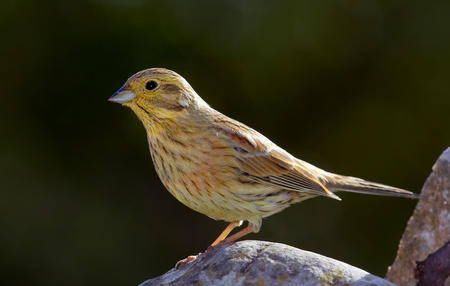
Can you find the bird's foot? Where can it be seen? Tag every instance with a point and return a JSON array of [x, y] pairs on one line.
[[188, 259], [191, 258]]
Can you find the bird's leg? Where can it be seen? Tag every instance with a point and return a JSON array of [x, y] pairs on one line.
[[237, 235], [225, 232], [219, 239]]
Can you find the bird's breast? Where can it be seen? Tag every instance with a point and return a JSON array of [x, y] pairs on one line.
[[198, 170]]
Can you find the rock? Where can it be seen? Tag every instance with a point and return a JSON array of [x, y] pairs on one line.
[[429, 227], [262, 264]]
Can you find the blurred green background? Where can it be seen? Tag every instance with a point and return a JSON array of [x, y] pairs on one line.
[[356, 87]]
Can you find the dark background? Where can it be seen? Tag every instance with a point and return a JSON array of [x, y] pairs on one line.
[[356, 87]]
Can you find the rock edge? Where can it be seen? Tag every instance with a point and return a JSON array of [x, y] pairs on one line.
[[265, 263]]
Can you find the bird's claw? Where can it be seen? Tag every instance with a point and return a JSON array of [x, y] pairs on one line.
[[188, 259], [191, 258]]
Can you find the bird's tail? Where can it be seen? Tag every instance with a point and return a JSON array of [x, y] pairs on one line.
[[351, 184]]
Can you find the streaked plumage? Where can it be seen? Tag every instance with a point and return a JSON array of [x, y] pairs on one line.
[[219, 166]]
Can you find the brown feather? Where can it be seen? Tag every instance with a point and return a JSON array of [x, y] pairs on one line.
[[264, 162]]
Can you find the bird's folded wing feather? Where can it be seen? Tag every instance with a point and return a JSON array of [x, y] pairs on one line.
[[263, 161]]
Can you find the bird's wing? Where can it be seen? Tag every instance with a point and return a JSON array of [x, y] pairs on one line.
[[263, 161]]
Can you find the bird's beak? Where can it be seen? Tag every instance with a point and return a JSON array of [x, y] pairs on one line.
[[122, 95]]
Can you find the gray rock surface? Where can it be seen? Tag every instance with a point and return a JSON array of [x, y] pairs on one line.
[[265, 263], [428, 228]]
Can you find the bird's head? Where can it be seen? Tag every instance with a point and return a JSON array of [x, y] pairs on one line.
[[157, 94]]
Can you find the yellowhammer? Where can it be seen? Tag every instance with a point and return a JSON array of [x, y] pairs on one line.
[[219, 166]]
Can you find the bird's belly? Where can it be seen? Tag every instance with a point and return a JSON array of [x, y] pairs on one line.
[[228, 200], [212, 185]]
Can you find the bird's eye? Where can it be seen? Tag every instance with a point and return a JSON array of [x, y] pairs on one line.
[[151, 85]]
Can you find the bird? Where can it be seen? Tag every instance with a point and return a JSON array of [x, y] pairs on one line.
[[219, 166]]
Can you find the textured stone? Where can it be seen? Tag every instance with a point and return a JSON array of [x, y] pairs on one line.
[[429, 227], [265, 263]]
